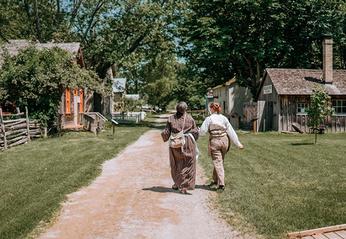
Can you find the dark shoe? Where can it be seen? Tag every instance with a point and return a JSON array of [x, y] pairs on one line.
[[221, 188], [175, 187]]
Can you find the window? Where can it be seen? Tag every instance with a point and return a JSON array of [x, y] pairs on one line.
[[301, 108], [339, 106]]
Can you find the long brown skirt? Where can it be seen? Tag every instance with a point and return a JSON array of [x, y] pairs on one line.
[[183, 165]]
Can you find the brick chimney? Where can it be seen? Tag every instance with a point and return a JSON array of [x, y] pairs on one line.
[[328, 59]]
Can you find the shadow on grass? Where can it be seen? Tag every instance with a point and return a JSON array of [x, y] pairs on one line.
[[302, 143]]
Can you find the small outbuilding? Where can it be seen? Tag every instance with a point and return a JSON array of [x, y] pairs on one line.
[[284, 95], [232, 98]]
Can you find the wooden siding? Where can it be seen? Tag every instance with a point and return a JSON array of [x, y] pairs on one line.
[[289, 116], [288, 113], [268, 108]]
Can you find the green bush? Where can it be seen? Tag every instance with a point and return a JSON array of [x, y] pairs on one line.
[[37, 79]]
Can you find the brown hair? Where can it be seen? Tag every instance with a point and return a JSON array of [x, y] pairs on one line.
[[215, 107]]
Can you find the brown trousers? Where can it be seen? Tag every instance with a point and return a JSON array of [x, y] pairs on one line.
[[218, 149]]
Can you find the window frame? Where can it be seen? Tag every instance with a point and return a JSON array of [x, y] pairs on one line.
[[341, 106], [298, 107]]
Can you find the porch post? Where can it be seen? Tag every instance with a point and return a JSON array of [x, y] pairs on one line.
[[75, 110]]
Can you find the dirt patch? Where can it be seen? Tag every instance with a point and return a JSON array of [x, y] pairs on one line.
[[132, 198]]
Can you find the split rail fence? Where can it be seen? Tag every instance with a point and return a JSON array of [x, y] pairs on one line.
[[16, 129]]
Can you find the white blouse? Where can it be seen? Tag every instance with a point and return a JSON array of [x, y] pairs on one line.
[[221, 120]]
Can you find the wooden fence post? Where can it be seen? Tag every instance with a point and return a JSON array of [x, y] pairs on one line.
[[27, 122], [45, 132], [3, 128]]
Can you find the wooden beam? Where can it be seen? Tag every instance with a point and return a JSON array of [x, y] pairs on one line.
[[14, 122], [13, 115], [341, 233], [22, 141], [332, 235], [3, 128], [27, 122], [316, 231]]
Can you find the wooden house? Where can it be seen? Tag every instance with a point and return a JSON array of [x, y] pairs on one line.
[[285, 94], [232, 98], [74, 102]]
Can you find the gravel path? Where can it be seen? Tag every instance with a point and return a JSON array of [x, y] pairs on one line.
[[132, 198]]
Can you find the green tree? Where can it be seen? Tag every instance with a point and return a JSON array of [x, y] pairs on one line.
[[128, 34], [319, 109], [222, 39], [158, 80], [33, 19], [37, 79], [136, 37], [132, 34], [190, 88]]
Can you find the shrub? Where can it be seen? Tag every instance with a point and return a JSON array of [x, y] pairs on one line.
[[37, 79]]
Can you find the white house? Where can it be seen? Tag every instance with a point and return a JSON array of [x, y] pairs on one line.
[[232, 98]]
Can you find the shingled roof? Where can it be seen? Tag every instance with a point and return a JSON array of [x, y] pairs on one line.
[[303, 81], [14, 46], [227, 83]]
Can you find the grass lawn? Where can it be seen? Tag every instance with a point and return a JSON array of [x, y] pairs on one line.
[[34, 178], [281, 183]]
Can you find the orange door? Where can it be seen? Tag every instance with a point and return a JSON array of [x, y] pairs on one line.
[[67, 101], [81, 101]]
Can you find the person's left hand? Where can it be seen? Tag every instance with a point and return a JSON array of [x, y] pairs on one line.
[[241, 146]]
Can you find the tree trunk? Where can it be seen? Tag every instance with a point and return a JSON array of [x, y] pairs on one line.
[[315, 137], [37, 22], [58, 6]]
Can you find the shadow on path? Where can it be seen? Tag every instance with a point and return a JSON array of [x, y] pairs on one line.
[[205, 187], [160, 189]]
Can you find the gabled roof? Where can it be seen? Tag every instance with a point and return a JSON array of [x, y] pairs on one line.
[[303, 81], [14, 46], [227, 83]]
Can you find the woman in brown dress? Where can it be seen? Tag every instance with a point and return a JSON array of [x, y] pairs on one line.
[[182, 127]]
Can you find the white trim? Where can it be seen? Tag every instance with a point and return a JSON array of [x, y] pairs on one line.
[[339, 114], [301, 113]]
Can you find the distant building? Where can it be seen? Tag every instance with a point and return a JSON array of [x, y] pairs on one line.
[[285, 95], [118, 94], [232, 98]]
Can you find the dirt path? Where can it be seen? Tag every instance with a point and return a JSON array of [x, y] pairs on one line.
[[132, 199]]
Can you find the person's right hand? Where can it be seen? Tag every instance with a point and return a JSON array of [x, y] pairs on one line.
[[241, 146]]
